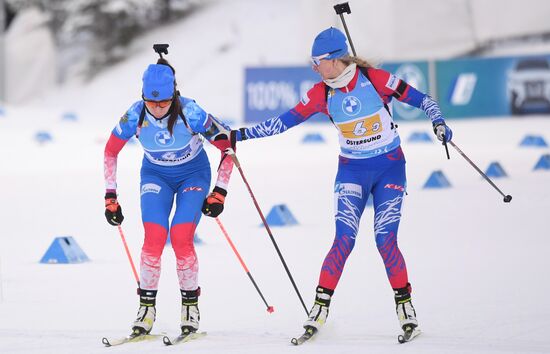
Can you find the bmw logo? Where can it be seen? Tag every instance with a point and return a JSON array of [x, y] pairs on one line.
[[163, 138], [351, 105]]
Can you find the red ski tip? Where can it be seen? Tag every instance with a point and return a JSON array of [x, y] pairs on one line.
[[270, 309]]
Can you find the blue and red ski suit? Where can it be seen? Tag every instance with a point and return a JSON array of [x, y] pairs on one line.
[[371, 161], [174, 166]]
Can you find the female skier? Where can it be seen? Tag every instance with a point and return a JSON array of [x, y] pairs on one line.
[[170, 129], [355, 96]]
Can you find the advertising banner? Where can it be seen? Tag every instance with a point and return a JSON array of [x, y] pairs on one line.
[[465, 88], [415, 74], [493, 86], [270, 91]]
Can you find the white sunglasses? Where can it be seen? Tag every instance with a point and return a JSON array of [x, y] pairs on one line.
[[317, 59]]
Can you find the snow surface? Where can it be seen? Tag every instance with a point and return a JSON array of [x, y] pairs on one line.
[[479, 267]]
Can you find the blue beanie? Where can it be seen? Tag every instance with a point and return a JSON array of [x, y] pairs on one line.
[[331, 40], [158, 82]]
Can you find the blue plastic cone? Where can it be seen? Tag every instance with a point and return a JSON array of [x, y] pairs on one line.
[[420, 137], [196, 240], [43, 137], [543, 163], [280, 215], [313, 138], [495, 170], [64, 250], [69, 116], [533, 141], [437, 180], [133, 140]]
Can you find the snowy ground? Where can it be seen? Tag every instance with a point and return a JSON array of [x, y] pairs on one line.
[[478, 266]]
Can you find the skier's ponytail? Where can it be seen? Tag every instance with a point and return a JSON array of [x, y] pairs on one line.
[[175, 108], [362, 63]]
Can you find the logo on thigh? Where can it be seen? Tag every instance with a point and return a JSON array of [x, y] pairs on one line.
[[345, 209], [397, 187], [348, 189], [190, 189], [150, 188]]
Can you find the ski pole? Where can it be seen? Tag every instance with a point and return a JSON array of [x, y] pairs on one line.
[[269, 308], [128, 254], [340, 10], [446, 147], [231, 153], [507, 198]]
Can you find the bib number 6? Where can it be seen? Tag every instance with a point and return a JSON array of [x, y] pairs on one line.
[[359, 129]]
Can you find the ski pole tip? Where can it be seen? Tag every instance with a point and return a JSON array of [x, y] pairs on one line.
[[270, 309], [508, 198]]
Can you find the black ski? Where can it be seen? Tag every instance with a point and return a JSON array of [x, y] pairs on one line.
[[409, 333], [182, 338], [308, 334]]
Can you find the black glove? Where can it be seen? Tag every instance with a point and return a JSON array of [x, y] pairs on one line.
[[113, 211], [213, 204]]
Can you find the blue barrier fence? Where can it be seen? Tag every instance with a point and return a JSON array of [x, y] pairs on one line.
[[464, 88]]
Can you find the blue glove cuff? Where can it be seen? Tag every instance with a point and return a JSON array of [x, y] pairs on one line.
[[240, 134], [438, 121]]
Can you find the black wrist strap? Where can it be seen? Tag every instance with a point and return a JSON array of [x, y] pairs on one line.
[[220, 190], [110, 195], [243, 134]]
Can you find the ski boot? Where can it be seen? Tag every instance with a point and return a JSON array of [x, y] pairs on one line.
[[404, 308], [406, 314], [147, 312], [319, 312], [190, 315]]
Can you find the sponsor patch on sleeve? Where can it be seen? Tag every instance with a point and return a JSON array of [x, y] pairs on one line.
[[305, 99], [392, 83]]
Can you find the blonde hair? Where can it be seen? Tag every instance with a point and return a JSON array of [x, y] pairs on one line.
[[363, 63]]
